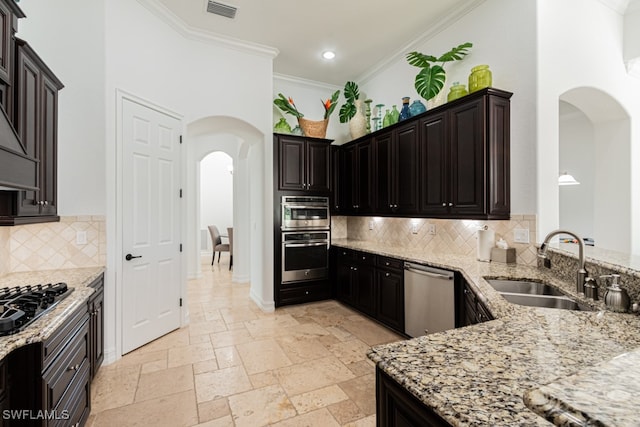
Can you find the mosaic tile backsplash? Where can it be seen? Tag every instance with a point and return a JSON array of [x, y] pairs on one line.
[[53, 245], [451, 236]]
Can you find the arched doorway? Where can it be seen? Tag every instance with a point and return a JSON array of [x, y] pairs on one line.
[[246, 146], [595, 146]]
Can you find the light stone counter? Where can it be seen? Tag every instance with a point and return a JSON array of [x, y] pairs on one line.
[[44, 326], [478, 375]]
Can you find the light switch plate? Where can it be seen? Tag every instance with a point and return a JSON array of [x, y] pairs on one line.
[[432, 229], [414, 228], [521, 235], [371, 225]]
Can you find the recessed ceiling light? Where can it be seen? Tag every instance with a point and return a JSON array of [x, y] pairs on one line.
[[328, 54]]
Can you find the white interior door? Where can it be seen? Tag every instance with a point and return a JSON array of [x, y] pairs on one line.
[[151, 275]]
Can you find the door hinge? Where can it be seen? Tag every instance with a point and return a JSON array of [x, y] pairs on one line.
[[180, 139], [180, 247], [180, 302], [181, 193]]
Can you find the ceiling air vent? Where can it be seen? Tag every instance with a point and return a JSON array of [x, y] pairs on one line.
[[221, 9]]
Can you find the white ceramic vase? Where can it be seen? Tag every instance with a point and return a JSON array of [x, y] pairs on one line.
[[358, 123]]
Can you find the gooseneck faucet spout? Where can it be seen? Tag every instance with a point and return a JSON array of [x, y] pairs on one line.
[[581, 275]]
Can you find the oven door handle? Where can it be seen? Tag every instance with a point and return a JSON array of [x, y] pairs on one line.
[[305, 245]]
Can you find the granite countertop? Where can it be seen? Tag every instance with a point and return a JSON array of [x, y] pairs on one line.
[[44, 326], [480, 374]]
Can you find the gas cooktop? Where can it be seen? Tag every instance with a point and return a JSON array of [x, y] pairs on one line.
[[21, 305]]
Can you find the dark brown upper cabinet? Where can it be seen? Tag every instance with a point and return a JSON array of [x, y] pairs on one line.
[[396, 170], [449, 162], [304, 163], [36, 122], [358, 174], [464, 159]]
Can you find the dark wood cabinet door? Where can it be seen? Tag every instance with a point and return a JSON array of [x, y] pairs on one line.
[[337, 190], [390, 298], [344, 286], [349, 180], [365, 196], [434, 157], [6, 18], [397, 407], [467, 150], [365, 290], [499, 153], [292, 158], [406, 169], [28, 111], [317, 166], [96, 331], [384, 180], [49, 147]]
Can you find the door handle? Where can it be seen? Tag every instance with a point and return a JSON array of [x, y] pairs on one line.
[[129, 257]]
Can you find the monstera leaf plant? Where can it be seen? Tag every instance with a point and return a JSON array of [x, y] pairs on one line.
[[430, 80], [348, 109]]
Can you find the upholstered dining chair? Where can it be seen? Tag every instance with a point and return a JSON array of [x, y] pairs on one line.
[[216, 240], [230, 234]]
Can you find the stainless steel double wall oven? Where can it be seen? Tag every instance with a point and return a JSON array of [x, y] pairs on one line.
[[306, 238]]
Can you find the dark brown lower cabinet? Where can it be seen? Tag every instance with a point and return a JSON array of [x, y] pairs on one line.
[[371, 284], [471, 309], [396, 407], [96, 326]]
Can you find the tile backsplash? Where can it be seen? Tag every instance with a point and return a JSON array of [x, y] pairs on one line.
[[451, 236], [54, 245]]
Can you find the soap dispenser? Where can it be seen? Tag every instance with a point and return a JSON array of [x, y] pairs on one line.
[[616, 298]]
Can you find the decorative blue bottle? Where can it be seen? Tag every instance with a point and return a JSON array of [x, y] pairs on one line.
[[405, 113]]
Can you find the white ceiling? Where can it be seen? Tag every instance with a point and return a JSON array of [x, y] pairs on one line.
[[363, 33]]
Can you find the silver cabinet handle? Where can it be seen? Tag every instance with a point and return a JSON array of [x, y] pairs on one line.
[[444, 204], [450, 204]]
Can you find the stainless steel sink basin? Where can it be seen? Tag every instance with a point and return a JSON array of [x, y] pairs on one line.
[[546, 301], [523, 287], [534, 294]]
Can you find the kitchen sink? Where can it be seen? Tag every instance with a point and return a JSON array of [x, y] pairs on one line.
[[545, 301], [524, 287], [535, 294]]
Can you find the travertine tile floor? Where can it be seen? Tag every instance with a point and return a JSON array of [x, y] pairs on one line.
[[234, 365]]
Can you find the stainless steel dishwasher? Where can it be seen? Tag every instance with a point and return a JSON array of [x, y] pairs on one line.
[[429, 300]]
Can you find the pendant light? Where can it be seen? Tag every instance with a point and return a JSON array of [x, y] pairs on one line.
[[566, 179]]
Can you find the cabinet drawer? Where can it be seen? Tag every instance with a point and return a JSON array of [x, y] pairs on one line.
[[389, 263], [66, 367], [345, 255], [63, 335], [76, 404], [365, 258], [305, 293]]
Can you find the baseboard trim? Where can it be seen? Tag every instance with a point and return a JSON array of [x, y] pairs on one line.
[[267, 307]]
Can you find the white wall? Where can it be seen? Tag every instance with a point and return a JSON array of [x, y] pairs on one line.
[[97, 48], [590, 55], [503, 36], [216, 192], [578, 158], [69, 36]]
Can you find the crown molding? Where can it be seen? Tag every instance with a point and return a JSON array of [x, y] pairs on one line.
[[304, 82], [191, 33], [444, 23], [619, 6]]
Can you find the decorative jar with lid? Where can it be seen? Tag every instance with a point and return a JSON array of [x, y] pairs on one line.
[[479, 78], [282, 126], [417, 107], [456, 91]]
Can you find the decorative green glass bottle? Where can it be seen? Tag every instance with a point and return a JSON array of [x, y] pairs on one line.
[[395, 115], [282, 126], [387, 120]]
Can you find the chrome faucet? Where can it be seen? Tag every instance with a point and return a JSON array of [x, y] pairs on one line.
[[581, 276]]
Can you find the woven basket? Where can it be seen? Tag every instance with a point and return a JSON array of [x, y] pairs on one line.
[[312, 128]]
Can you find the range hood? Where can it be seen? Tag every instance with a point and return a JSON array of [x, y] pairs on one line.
[[18, 171]]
